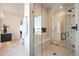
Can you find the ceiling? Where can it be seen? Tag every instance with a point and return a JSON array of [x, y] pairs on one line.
[[17, 8], [56, 6]]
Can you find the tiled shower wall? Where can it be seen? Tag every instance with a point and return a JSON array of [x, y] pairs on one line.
[[77, 32]]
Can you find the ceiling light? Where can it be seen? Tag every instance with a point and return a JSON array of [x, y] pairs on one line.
[[61, 7]]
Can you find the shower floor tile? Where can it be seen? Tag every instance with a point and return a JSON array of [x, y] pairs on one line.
[[52, 49]]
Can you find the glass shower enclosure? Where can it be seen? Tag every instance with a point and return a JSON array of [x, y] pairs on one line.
[[53, 33]]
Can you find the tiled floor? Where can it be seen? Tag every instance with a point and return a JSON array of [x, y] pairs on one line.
[[51, 49], [12, 48]]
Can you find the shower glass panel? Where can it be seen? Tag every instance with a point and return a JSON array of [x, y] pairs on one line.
[[70, 33], [37, 29]]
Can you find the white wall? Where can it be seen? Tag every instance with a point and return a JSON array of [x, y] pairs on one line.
[[11, 19], [27, 34]]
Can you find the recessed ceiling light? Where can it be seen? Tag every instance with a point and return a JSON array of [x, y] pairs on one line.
[[61, 7]]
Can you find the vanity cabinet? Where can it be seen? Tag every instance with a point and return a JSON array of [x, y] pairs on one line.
[[5, 37]]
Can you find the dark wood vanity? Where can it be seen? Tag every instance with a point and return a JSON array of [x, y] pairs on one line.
[[5, 37]]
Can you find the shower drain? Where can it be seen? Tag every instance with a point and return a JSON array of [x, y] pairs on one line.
[[54, 53]]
